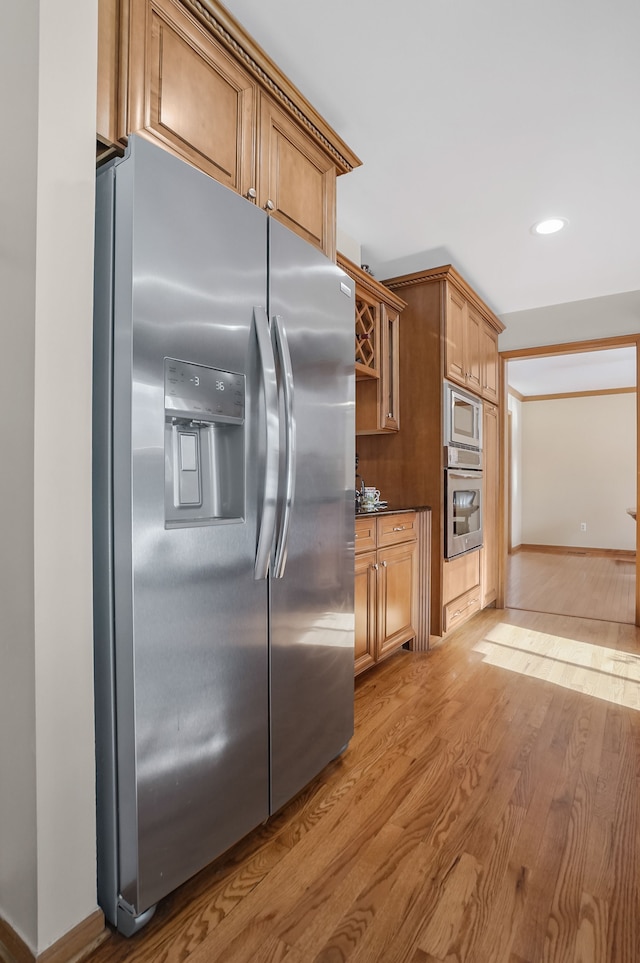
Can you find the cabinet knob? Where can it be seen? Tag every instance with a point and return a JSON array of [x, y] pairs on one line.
[[251, 194], [375, 566], [384, 564], [269, 206]]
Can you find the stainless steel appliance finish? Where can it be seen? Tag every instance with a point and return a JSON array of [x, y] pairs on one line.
[[462, 418], [463, 507], [457, 457], [223, 518]]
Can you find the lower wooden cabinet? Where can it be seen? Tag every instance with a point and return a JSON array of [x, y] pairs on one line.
[[461, 589], [386, 586], [461, 609]]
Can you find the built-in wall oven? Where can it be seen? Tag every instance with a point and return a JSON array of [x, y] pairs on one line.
[[463, 470], [463, 509]]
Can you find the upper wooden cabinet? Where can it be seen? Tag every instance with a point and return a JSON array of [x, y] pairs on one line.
[[377, 352], [185, 74], [296, 181], [471, 339], [187, 92], [489, 363], [462, 341]]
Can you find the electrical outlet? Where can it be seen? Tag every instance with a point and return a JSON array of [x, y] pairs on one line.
[[583, 526]]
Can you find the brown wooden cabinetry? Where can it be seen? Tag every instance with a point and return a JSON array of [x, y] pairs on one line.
[[489, 363], [185, 74], [296, 180], [386, 585], [471, 344], [462, 340], [377, 352], [185, 91], [490, 501], [442, 319], [108, 68], [461, 590]]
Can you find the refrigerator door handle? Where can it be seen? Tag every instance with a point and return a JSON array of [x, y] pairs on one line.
[[272, 454], [284, 355]]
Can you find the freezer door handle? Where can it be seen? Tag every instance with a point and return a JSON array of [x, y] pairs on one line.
[[272, 454], [286, 379]]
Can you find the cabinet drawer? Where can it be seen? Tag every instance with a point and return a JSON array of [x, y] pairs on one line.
[[397, 528], [365, 534], [462, 608]]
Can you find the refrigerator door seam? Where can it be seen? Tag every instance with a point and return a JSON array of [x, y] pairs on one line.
[[272, 454]]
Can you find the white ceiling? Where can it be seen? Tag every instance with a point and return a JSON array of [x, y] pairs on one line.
[[473, 120], [589, 371]]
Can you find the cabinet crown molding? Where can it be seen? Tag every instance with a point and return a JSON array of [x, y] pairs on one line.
[[377, 289], [449, 274], [219, 22]]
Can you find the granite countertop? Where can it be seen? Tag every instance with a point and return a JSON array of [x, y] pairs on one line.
[[388, 510]]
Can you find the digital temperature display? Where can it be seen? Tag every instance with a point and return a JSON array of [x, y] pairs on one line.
[[201, 393]]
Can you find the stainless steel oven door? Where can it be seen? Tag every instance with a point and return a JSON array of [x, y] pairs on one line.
[[463, 503]]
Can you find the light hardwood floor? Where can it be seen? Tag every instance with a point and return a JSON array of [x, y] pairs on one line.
[[487, 811], [588, 587]]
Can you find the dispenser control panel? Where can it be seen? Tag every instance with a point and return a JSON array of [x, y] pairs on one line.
[[196, 392]]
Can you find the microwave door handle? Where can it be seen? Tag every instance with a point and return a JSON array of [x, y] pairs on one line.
[[272, 454], [282, 542]]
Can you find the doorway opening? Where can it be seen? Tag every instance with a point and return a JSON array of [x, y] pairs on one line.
[[571, 460]]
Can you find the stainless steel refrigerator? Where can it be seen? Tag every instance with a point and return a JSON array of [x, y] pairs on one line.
[[223, 522]]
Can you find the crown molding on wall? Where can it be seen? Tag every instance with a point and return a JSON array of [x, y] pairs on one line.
[[573, 394]]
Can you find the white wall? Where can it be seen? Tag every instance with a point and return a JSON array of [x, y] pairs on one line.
[[515, 410], [47, 821], [348, 246], [605, 317], [18, 82], [579, 465]]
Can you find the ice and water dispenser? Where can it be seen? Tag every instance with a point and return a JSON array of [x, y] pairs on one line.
[[204, 444]]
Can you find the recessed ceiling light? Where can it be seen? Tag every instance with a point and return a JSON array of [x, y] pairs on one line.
[[550, 225]]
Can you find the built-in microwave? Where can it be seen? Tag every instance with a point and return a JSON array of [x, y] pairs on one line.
[[462, 418]]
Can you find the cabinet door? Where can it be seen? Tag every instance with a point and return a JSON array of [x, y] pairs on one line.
[[473, 328], [491, 501], [186, 92], [389, 375], [108, 60], [489, 353], [297, 181], [365, 610], [397, 596], [455, 332], [368, 349]]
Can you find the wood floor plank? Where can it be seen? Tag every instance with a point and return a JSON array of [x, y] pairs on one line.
[[487, 810], [600, 588], [592, 936], [565, 914]]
